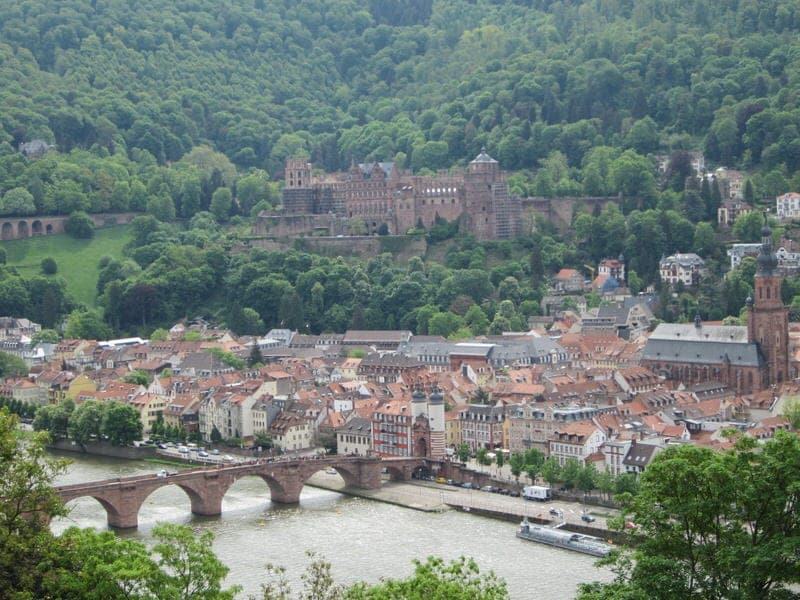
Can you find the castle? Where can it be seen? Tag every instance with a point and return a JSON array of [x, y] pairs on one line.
[[746, 358], [379, 197]]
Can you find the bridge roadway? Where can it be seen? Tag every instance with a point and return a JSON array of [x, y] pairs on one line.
[[123, 497]]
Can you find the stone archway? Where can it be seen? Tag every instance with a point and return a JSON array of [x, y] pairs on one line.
[[36, 227], [8, 231], [421, 447], [22, 229], [49, 229]]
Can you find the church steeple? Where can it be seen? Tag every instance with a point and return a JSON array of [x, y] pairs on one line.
[[767, 260], [768, 318]]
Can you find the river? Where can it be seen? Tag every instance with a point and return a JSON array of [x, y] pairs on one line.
[[363, 539]]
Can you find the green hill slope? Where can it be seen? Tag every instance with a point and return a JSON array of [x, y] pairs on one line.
[[76, 259], [428, 81]]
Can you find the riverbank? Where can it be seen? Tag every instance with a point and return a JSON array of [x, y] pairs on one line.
[[430, 497]]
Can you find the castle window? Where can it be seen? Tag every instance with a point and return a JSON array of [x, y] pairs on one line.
[[768, 290]]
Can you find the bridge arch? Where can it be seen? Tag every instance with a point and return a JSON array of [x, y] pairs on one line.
[[348, 471], [276, 490], [86, 506], [197, 498], [22, 229]]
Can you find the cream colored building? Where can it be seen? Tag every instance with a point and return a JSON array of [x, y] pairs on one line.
[[290, 431], [355, 437]]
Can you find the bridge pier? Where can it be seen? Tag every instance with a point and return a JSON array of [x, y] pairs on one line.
[[287, 493], [124, 520], [209, 505]]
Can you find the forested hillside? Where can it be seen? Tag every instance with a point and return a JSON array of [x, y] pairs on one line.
[[428, 82]]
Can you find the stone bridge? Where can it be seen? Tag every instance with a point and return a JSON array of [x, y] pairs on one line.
[[17, 228], [123, 497]]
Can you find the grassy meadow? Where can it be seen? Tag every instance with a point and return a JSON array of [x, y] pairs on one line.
[[76, 259]]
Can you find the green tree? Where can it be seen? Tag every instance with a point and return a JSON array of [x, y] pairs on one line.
[[85, 422], [162, 207], [791, 410], [17, 201], [221, 204], [12, 366], [137, 378], [713, 524], [26, 475], [255, 357], [80, 225], [48, 336], [190, 569], [747, 227], [121, 423], [159, 335], [587, 478], [570, 473], [551, 471], [516, 463], [49, 266], [87, 325], [463, 452]]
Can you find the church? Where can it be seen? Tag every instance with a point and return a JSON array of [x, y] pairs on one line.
[[745, 358]]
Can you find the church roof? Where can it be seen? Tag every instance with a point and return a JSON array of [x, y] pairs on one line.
[[707, 344], [690, 331]]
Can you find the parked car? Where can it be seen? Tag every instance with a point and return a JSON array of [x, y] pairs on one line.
[[331, 471], [202, 454], [588, 518], [162, 446], [441, 480], [183, 450], [468, 485], [162, 474], [504, 491], [513, 493], [488, 488], [215, 451], [555, 512], [452, 482]]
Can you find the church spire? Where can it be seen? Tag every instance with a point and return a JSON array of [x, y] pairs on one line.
[[767, 260]]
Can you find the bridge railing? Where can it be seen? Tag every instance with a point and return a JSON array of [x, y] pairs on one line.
[[218, 468]]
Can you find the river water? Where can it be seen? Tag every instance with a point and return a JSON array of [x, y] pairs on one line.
[[363, 539]]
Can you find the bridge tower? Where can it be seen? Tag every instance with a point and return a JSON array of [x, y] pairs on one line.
[[437, 424]]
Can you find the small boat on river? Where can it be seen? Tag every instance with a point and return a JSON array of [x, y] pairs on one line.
[[560, 538]]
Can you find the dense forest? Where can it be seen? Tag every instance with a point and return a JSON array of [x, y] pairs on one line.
[[126, 91], [186, 111]]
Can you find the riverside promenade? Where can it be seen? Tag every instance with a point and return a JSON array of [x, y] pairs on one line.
[[432, 497]]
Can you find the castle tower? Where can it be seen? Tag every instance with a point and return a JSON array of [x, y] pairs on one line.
[[297, 173], [484, 189], [768, 318], [437, 424], [298, 193]]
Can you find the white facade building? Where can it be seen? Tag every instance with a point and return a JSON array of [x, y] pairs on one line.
[[788, 206], [686, 268]]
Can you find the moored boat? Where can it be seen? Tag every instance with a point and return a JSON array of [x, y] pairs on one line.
[[559, 538]]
